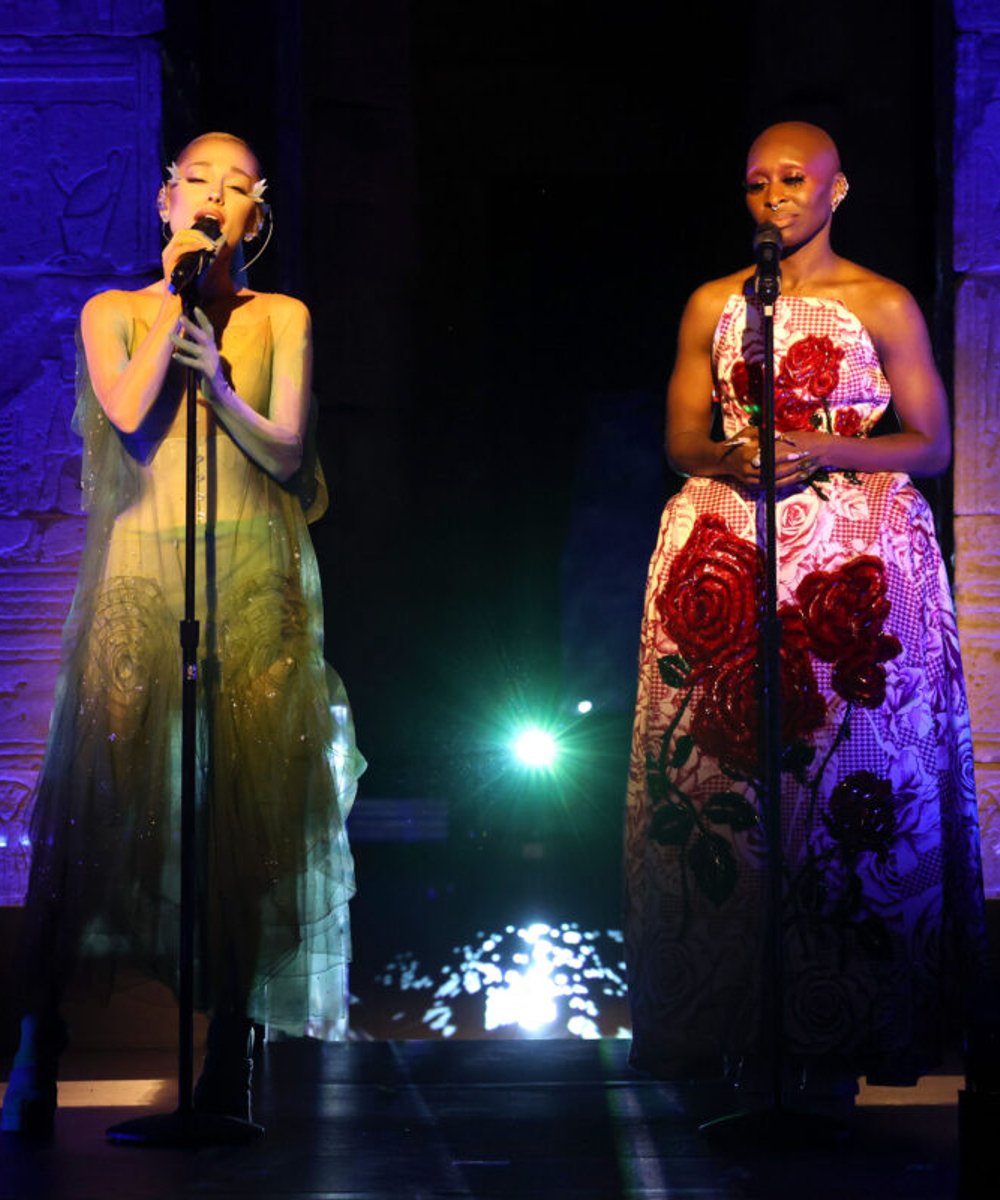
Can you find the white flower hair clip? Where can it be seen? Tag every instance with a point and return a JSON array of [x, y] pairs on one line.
[[256, 193]]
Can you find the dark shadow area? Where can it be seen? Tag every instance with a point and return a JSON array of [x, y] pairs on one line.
[[563, 1120]]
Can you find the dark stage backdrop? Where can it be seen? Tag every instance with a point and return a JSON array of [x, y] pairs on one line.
[[495, 212]]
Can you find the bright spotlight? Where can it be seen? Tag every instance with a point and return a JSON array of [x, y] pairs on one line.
[[584, 707], [535, 748]]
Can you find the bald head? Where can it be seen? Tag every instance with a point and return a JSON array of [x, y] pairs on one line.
[[796, 141], [794, 181]]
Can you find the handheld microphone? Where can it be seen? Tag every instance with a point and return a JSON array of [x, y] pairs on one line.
[[767, 254], [192, 266]]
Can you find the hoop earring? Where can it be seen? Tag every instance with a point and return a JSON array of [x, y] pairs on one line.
[[269, 220], [165, 233]]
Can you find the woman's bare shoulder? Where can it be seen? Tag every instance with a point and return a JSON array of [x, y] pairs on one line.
[[867, 286], [717, 291], [284, 312], [706, 303], [879, 302], [274, 303], [123, 302], [114, 312]]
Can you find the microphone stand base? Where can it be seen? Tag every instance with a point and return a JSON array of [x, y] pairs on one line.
[[185, 1127], [775, 1128]]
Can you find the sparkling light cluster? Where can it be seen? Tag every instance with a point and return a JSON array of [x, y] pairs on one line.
[[535, 980]]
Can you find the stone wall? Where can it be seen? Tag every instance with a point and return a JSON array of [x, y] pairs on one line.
[[80, 121], [977, 395]]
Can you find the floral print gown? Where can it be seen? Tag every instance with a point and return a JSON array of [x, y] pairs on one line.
[[276, 760], [882, 899]]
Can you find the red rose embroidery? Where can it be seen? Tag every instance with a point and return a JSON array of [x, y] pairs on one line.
[[807, 374], [813, 364], [747, 381], [711, 598], [792, 410], [847, 422], [726, 722], [860, 678], [845, 607], [843, 612], [861, 814], [803, 708]]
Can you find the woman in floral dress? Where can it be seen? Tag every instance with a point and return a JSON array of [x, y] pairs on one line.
[[882, 893]]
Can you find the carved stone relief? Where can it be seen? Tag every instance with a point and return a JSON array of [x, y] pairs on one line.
[[81, 118]]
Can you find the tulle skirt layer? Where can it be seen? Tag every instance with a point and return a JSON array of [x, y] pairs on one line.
[[276, 774]]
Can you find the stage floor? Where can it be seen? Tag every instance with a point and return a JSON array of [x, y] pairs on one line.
[[414, 1120]]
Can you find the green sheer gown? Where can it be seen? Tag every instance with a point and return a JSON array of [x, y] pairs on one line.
[[277, 765]]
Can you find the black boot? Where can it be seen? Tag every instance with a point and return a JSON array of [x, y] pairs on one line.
[[29, 1105], [227, 1073]]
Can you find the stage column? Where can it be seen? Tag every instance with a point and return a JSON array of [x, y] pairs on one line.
[[977, 395], [80, 115]]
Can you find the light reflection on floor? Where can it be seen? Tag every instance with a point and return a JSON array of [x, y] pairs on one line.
[[113, 1093], [161, 1093]]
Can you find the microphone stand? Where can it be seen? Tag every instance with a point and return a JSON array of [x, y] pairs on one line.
[[777, 1125], [187, 1126]]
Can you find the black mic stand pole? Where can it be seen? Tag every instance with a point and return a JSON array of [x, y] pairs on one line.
[[777, 1125], [768, 287], [187, 1126]]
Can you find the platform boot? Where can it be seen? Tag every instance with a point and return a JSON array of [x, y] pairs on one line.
[[29, 1105], [224, 1086]]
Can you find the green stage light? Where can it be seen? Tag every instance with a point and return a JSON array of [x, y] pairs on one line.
[[536, 748]]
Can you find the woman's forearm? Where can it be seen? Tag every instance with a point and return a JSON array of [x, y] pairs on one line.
[[276, 449], [908, 451], [128, 398], [693, 453]]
